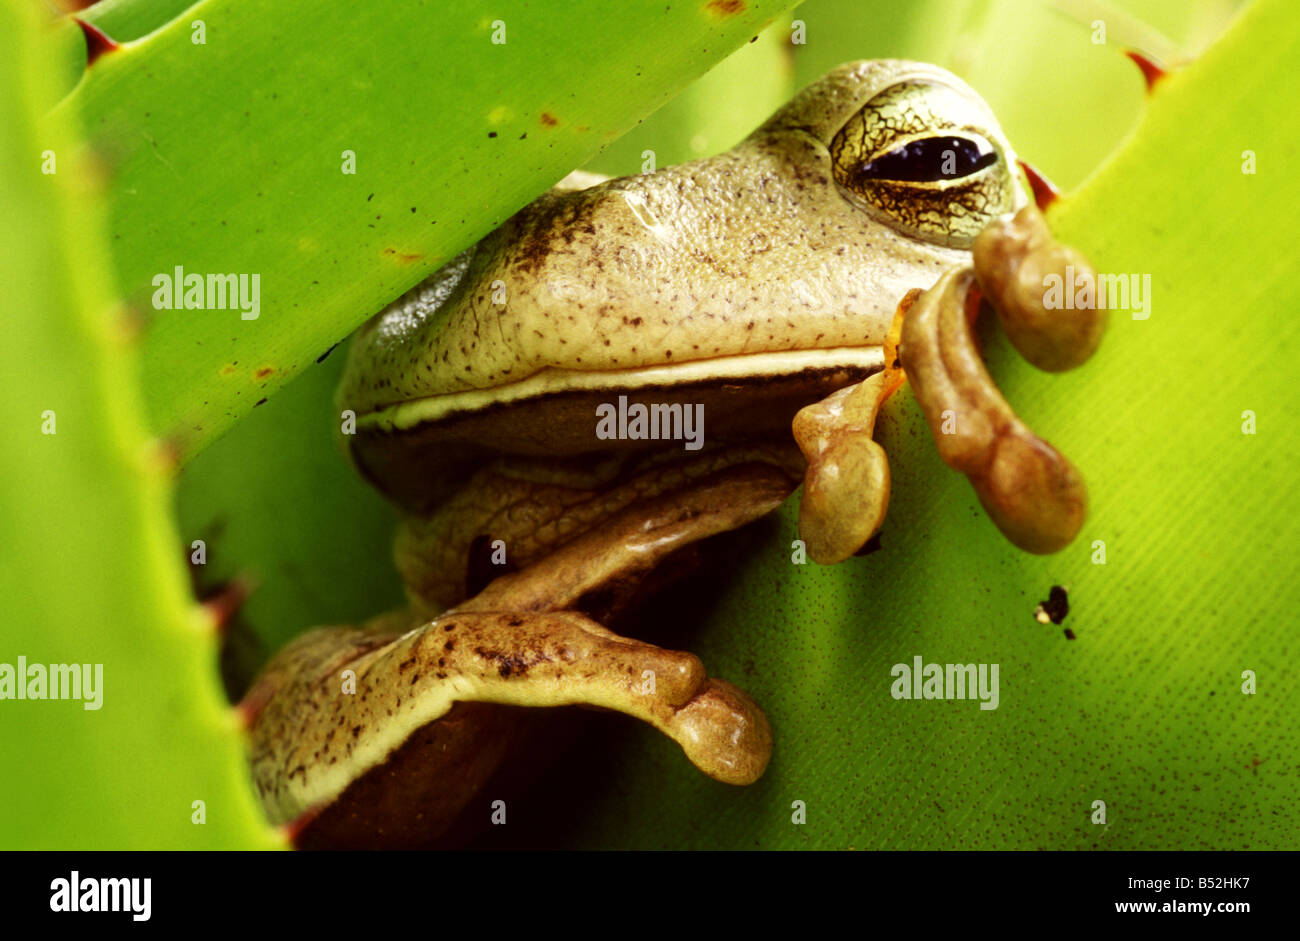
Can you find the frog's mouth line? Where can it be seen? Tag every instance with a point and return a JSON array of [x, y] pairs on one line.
[[730, 370]]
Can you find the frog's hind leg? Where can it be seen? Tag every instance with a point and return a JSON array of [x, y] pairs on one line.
[[341, 714], [314, 738]]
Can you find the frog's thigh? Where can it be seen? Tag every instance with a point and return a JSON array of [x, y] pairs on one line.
[[846, 485], [314, 735]]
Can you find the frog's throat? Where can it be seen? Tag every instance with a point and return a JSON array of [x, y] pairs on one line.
[[732, 369]]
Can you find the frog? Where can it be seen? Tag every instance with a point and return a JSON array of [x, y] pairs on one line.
[[778, 293]]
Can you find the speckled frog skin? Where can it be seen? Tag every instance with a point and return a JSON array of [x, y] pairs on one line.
[[762, 285]]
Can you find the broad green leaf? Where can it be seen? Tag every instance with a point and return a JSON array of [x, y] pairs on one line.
[[92, 569], [1149, 687], [1144, 709], [233, 156]]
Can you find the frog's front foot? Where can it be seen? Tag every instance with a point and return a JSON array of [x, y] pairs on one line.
[[846, 485], [1035, 496]]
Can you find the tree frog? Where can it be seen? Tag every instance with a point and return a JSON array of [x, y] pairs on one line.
[[766, 300]]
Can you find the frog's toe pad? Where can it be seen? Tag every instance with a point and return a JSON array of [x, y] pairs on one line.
[[846, 486], [724, 733]]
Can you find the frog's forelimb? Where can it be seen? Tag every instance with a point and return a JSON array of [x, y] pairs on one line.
[[1034, 495], [846, 486]]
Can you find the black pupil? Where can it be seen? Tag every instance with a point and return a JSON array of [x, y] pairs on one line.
[[931, 159]]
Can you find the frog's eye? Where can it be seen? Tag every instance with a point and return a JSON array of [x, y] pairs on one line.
[[923, 158]]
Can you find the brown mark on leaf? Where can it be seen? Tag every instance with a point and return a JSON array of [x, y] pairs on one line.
[[163, 456], [725, 7], [128, 324], [548, 119], [263, 372], [1055, 608], [404, 258]]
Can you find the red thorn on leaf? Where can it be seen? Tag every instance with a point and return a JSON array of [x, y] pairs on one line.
[[228, 599], [1045, 191], [97, 44], [1152, 71], [254, 701], [293, 830]]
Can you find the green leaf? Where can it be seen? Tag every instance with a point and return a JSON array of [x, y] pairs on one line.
[[92, 567], [230, 157], [1144, 709], [1199, 582]]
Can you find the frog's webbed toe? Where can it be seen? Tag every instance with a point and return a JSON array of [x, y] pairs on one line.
[[846, 485], [317, 728], [1035, 496]]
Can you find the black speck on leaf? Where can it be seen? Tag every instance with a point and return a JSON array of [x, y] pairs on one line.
[[1055, 608]]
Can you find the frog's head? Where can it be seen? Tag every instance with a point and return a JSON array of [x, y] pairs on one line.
[[755, 281], [910, 144]]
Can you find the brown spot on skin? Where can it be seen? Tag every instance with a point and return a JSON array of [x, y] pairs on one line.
[[97, 44], [548, 119]]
